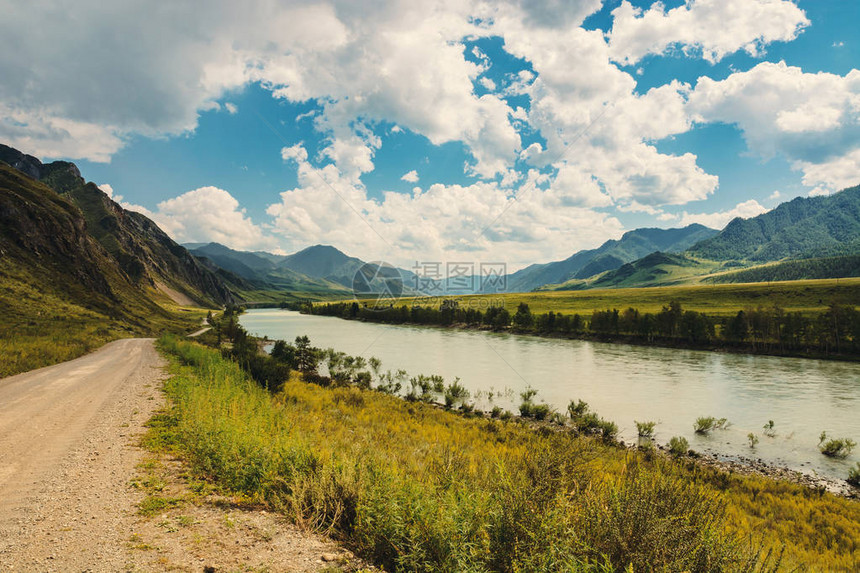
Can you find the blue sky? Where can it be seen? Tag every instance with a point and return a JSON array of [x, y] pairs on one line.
[[532, 130]]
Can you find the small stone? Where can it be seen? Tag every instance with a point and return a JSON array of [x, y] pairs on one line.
[[329, 557]]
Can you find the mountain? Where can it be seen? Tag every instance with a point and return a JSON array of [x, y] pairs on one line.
[[325, 262], [805, 238], [246, 272], [61, 292], [145, 255], [654, 269], [609, 256], [801, 228], [792, 270]]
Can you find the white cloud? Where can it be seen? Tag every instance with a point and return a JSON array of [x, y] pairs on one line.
[[812, 120], [774, 196], [209, 214], [720, 219], [715, 28], [411, 177], [488, 84], [231, 108], [402, 65], [479, 222]]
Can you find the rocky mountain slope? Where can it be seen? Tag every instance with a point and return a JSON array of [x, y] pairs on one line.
[[143, 253]]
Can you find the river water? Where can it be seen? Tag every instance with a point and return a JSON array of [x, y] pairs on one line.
[[622, 383]]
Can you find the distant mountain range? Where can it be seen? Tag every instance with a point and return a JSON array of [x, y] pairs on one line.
[[822, 231], [805, 238], [608, 256]]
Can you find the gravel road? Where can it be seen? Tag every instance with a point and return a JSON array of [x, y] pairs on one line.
[[67, 455]]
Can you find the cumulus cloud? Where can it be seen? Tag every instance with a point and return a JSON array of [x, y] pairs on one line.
[[411, 177], [720, 219], [210, 214], [406, 66], [812, 120], [478, 222], [713, 28], [231, 108]]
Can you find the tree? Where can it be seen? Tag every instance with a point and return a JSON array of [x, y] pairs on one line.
[[307, 357], [523, 318]]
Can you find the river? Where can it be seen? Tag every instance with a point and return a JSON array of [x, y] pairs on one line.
[[622, 383]]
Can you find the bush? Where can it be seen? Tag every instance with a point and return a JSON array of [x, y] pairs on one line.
[[608, 430], [541, 411], [753, 439], [679, 446], [835, 447], [645, 429], [768, 429], [455, 393], [526, 409], [577, 409], [854, 475], [495, 412], [705, 424]]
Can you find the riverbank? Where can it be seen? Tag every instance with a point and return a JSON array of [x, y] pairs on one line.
[[412, 486], [631, 340]]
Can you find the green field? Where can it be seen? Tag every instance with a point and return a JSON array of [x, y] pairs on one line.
[[276, 297], [806, 296]]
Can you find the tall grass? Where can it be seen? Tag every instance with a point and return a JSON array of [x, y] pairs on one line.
[[417, 488]]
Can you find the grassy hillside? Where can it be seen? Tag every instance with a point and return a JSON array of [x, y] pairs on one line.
[[417, 488], [717, 300], [827, 267], [803, 226], [609, 256], [61, 293]]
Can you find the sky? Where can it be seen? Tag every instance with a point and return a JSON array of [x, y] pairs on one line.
[[514, 131]]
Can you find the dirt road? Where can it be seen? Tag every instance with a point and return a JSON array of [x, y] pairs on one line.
[[67, 454]]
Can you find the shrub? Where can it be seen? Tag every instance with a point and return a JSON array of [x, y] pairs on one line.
[[854, 475], [835, 447], [768, 429], [705, 424], [753, 439], [455, 393], [541, 411], [608, 430], [495, 412], [577, 409], [414, 488], [678, 446], [526, 409], [528, 394], [645, 429]]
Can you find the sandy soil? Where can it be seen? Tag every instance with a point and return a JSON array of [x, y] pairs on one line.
[[70, 482]]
